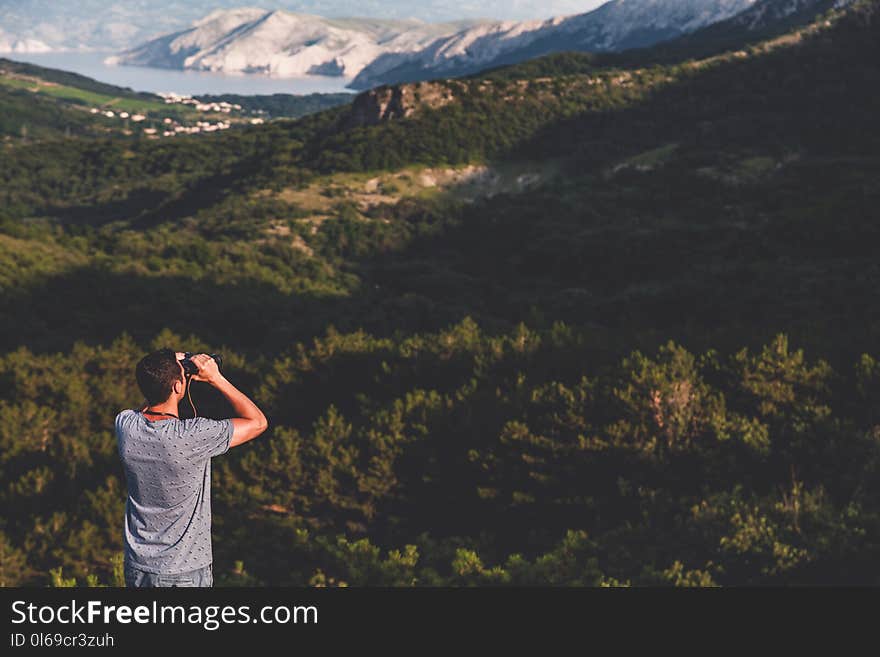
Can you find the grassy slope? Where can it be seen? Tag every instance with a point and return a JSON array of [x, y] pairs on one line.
[[42, 103], [75, 80], [84, 96], [22, 114]]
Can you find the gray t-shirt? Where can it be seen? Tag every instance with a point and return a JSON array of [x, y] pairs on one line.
[[168, 469]]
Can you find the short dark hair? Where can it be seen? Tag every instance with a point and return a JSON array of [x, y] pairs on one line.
[[156, 374]]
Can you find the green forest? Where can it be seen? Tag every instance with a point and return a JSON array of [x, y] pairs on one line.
[[588, 321]]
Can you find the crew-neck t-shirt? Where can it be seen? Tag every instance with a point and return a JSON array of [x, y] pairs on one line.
[[168, 470]]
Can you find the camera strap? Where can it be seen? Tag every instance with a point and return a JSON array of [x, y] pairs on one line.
[[189, 395], [146, 410]]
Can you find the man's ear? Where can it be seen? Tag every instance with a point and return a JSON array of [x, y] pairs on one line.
[[179, 387]]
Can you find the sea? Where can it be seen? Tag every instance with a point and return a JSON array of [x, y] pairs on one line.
[[191, 83]]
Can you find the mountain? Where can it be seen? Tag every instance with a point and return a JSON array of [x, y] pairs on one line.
[[250, 40], [281, 43], [41, 25], [616, 25], [112, 26], [767, 14], [11, 43], [764, 19]]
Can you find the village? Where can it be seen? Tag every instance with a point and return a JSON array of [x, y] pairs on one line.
[[155, 128]]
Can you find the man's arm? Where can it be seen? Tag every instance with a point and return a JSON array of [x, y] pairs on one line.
[[248, 421]]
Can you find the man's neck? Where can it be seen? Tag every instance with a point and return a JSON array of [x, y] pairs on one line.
[[162, 410]]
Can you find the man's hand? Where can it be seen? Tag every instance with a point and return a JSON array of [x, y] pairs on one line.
[[208, 370]]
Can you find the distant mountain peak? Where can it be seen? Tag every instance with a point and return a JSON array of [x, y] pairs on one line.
[[282, 43], [242, 13]]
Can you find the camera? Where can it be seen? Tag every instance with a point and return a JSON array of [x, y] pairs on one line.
[[190, 368]]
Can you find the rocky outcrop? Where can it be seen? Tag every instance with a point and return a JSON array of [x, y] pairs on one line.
[[398, 102]]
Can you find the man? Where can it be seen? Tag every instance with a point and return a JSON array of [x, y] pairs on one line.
[[167, 464]]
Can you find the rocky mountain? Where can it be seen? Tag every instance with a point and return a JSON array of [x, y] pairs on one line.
[[376, 51], [250, 40], [38, 25], [616, 25], [764, 19], [767, 13]]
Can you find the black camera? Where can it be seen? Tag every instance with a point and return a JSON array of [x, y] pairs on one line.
[[190, 368]]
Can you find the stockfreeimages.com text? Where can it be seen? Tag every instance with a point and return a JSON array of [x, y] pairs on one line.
[[211, 617]]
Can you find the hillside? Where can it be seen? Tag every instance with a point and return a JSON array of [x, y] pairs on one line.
[[622, 317], [592, 123], [38, 103], [764, 20], [74, 80]]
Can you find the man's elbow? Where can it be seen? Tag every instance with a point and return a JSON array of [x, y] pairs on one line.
[[246, 429]]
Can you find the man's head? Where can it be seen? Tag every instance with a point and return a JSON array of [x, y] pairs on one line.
[[160, 377]]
